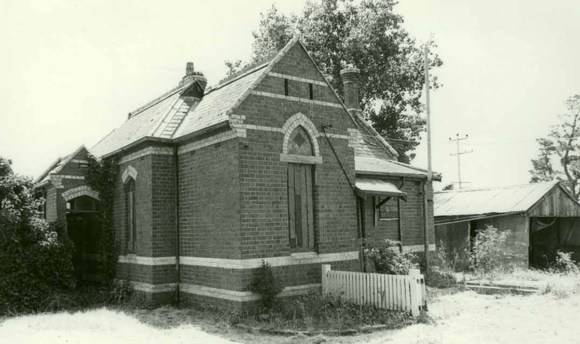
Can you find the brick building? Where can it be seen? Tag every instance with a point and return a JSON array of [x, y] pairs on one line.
[[268, 165]]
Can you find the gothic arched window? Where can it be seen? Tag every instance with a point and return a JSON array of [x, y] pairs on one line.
[[300, 143]]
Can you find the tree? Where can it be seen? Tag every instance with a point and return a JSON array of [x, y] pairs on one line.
[[563, 145], [368, 35], [34, 263]]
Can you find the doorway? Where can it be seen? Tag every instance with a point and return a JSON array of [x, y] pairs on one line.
[[84, 228]]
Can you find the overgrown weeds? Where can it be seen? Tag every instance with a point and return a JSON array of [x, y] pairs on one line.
[[314, 312]]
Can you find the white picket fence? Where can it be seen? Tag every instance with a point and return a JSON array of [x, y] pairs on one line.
[[393, 292]]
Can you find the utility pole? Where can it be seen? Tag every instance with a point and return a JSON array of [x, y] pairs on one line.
[[458, 153], [427, 185]]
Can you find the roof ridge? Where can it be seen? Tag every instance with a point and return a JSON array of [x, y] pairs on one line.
[[252, 69], [504, 187], [68, 158], [268, 66], [238, 77], [160, 98]]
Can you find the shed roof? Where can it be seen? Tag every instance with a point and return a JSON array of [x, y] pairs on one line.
[[509, 199]]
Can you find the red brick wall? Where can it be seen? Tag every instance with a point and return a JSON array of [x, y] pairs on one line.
[[209, 193], [412, 216], [263, 177], [163, 206], [143, 207]]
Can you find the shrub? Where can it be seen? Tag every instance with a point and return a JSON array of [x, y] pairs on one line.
[[564, 263], [388, 259], [35, 265], [451, 259], [120, 293], [489, 251], [265, 284]]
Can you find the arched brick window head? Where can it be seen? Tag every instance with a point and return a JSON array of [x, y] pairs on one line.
[[300, 142]]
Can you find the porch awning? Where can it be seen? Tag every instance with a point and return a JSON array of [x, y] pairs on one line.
[[378, 187]]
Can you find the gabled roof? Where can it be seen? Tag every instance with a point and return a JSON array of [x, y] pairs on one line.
[[174, 116], [151, 120], [217, 101], [510, 199], [171, 116], [57, 165]]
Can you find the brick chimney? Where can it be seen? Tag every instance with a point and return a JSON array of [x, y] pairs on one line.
[[192, 75], [351, 88]]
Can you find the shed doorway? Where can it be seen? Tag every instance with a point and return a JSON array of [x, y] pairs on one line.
[[84, 228], [548, 235]]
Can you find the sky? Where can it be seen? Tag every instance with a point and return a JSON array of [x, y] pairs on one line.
[[70, 71]]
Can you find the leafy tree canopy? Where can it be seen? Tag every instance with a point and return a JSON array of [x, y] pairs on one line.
[[562, 146], [34, 263], [366, 34]]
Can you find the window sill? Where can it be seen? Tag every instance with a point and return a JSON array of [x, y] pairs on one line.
[[303, 255]]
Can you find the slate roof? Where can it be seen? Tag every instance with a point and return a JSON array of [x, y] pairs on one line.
[[171, 116], [217, 101], [510, 199]]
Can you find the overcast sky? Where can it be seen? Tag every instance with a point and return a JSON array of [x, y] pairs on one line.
[[70, 71]]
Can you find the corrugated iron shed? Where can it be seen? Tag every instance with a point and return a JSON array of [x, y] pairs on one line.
[[511, 199]]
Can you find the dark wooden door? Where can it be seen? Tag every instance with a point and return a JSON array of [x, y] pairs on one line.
[[300, 209], [84, 231]]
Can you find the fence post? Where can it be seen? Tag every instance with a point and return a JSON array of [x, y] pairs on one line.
[[325, 270], [413, 278]]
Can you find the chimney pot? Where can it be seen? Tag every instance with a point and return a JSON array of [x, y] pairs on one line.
[[192, 75], [189, 68], [351, 88]]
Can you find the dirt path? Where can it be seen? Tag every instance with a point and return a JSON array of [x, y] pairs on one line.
[[458, 318], [471, 318], [97, 326]]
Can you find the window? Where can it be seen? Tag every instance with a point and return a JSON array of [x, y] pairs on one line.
[[82, 204], [389, 210], [311, 91], [130, 218], [286, 87], [299, 142], [300, 195], [300, 207]]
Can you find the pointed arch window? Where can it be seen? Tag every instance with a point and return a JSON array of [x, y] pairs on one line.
[[130, 218], [300, 193], [300, 142]]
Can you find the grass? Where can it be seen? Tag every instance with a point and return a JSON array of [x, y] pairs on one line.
[[315, 313], [310, 313]]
